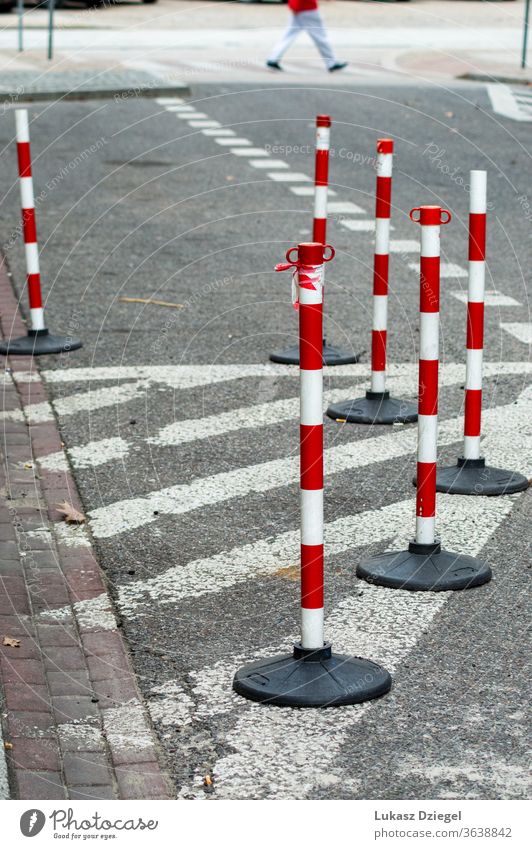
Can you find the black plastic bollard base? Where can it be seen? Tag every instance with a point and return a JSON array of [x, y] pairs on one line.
[[375, 408], [312, 678], [473, 477], [424, 567], [332, 356], [37, 343]]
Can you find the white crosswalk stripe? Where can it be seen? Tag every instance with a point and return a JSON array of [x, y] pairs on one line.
[[521, 330], [128, 514], [274, 754]]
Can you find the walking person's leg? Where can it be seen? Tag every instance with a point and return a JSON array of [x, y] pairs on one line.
[[312, 22], [290, 34]]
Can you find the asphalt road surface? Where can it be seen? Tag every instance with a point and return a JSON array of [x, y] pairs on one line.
[[184, 439]]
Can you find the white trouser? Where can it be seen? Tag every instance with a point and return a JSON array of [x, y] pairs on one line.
[[311, 22]]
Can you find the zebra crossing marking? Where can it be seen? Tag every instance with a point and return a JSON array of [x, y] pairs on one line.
[[521, 330], [492, 298], [131, 513], [386, 625]]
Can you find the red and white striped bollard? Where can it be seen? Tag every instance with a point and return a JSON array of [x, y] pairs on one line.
[[312, 676], [332, 356], [377, 407], [470, 475], [425, 565], [39, 340]]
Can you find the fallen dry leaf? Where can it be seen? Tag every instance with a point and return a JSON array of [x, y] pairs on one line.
[[151, 301], [449, 114], [207, 781], [11, 642], [70, 513], [8, 745]]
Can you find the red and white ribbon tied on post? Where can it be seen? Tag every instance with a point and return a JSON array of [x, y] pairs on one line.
[[305, 276]]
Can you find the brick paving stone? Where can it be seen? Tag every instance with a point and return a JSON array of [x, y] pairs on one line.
[[28, 647], [13, 670], [74, 708], [141, 781], [10, 605], [8, 550], [115, 691], [86, 768], [69, 683], [111, 666], [16, 625], [29, 697], [11, 567], [12, 585], [57, 635], [39, 785], [7, 532], [92, 792], [101, 642], [22, 723], [124, 755], [64, 658], [29, 753]]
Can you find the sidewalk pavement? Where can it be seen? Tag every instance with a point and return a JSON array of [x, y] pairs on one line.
[[183, 41], [73, 722]]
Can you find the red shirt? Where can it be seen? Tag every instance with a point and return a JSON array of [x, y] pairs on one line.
[[298, 6]]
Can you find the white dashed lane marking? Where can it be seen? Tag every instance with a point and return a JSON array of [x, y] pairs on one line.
[[249, 151], [520, 330], [344, 207], [359, 226], [492, 298], [290, 177], [506, 422], [447, 269]]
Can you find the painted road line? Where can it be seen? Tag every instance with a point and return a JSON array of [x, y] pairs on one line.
[[181, 107], [242, 418], [95, 399], [344, 207], [504, 103], [308, 191], [249, 151], [274, 412], [199, 124], [404, 246], [128, 514], [267, 163], [228, 142], [358, 226], [265, 558], [492, 298], [522, 330], [290, 177], [222, 132], [87, 456], [447, 269], [260, 559], [194, 115], [276, 756], [364, 631], [186, 377], [164, 101]]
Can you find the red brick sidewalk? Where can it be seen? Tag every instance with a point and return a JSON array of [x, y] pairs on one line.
[[73, 721]]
